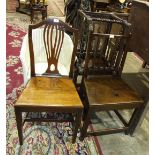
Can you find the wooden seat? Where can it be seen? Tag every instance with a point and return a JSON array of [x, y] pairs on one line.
[[101, 93], [50, 91], [102, 88]]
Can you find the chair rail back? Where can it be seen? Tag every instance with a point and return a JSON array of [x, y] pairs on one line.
[[105, 54], [106, 37]]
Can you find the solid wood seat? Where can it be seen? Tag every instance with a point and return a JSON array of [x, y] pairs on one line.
[[110, 93], [50, 92]]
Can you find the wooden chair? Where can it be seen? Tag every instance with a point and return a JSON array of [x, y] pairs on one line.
[[38, 6], [50, 92], [102, 87]]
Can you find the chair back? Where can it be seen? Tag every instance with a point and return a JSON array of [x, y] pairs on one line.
[[105, 44], [52, 50]]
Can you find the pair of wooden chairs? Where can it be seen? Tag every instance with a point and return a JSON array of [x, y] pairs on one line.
[[52, 90]]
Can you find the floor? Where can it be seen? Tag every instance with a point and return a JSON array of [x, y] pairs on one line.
[[137, 78]]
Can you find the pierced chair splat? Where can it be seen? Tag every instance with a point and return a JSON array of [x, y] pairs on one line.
[[50, 90]]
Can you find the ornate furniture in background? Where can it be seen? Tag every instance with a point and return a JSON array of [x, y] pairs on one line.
[[38, 6], [97, 5], [48, 91], [99, 26], [29, 7]]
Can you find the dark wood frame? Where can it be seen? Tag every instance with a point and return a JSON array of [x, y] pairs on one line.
[[88, 108], [99, 5], [21, 10], [87, 17]]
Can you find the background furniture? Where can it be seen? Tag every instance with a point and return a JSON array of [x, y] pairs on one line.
[[139, 43], [38, 6], [29, 7], [139, 18], [49, 91], [24, 6]]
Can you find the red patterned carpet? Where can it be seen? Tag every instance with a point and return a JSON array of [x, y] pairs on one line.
[[39, 138], [14, 67]]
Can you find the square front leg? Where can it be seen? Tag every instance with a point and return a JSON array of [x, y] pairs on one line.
[[18, 114]]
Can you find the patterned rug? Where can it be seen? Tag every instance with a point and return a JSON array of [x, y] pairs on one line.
[[39, 138]]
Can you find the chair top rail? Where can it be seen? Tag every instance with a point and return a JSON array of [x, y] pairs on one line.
[[53, 21], [103, 17]]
